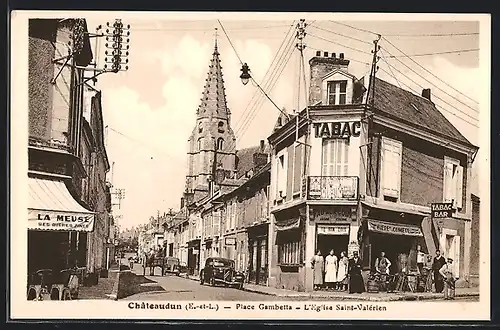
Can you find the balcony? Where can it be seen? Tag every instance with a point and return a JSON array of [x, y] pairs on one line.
[[332, 188]]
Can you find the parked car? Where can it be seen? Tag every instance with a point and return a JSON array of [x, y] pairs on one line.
[[172, 265], [221, 271]]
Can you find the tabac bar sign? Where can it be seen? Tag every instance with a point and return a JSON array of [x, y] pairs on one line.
[[337, 129], [441, 210]]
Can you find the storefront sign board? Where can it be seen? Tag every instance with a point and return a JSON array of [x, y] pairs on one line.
[[337, 129], [352, 247], [393, 228], [333, 230], [230, 241], [441, 210], [60, 221]]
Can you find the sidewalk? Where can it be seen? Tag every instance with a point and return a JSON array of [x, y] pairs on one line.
[[102, 290], [336, 295]]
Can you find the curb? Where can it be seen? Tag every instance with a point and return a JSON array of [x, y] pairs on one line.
[[356, 298]]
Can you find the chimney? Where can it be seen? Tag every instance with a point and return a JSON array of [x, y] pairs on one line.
[[262, 146], [319, 67], [426, 93]]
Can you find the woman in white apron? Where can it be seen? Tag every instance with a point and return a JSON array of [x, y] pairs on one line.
[[342, 272], [331, 270]]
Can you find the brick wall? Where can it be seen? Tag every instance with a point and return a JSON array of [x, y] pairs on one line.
[[421, 169], [40, 72], [475, 239]]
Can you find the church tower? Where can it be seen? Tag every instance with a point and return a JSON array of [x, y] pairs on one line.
[[212, 144]]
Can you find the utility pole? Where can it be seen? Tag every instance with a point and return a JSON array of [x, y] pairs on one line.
[[370, 100], [371, 86]]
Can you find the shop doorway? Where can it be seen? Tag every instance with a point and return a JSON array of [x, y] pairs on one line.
[[259, 264], [338, 243], [393, 246]]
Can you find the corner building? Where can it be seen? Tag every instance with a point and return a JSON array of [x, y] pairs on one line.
[[360, 177]]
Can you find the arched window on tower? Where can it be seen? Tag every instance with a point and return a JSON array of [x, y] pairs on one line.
[[199, 144], [221, 127], [200, 128], [220, 143]]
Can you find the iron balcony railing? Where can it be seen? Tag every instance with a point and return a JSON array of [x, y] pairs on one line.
[[332, 187]]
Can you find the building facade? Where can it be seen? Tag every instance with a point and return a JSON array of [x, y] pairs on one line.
[[350, 175], [69, 207]]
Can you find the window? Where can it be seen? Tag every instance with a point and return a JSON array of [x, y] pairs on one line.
[[335, 157], [221, 127], [200, 128], [337, 92], [391, 168], [453, 182], [200, 143], [289, 253], [220, 144], [228, 216], [297, 169], [281, 177]]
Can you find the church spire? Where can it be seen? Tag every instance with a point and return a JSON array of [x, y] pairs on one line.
[[213, 102]]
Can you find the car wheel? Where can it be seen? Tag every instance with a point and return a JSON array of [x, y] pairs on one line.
[[240, 286]]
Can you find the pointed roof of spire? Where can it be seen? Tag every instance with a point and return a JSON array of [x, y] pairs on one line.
[[213, 101]]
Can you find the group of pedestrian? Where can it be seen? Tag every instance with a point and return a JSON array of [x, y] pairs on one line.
[[444, 276], [337, 273], [341, 273]]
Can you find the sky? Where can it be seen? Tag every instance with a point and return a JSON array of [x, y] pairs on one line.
[[150, 109]]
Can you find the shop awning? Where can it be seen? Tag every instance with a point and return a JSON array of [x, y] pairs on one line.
[[393, 228], [51, 207], [287, 224]]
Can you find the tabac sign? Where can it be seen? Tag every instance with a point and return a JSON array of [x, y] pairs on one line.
[[53, 220], [442, 210], [337, 129]]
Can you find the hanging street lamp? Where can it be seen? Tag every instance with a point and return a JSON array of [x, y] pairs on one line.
[[245, 74]]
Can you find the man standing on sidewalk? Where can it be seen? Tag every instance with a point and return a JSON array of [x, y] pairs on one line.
[[449, 275], [437, 263]]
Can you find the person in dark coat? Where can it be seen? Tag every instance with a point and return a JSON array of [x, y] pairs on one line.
[[356, 282], [437, 263]]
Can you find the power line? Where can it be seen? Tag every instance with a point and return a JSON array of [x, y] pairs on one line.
[[163, 29], [239, 58], [454, 114], [337, 43], [438, 53], [433, 35], [144, 144], [439, 88], [342, 35], [355, 28], [456, 90], [268, 84]]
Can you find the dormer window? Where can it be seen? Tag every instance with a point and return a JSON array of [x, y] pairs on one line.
[[337, 92]]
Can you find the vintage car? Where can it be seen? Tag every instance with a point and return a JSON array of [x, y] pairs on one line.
[[172, 266], [221, 271]]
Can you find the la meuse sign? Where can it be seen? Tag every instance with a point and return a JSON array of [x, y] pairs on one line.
[[337, 129]]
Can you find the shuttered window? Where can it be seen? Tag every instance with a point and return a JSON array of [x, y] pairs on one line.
[[335, 157], [391, 152], [297, 168], [453, 182]]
